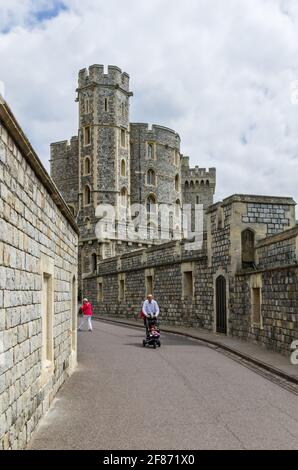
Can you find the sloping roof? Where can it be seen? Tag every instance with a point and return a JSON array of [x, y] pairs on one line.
[[13, 128]]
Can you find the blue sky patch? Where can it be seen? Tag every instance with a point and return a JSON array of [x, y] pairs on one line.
[[53, 10]]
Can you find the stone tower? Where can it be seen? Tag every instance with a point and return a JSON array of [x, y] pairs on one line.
[[198, 186], [104, 162], [117, 163]]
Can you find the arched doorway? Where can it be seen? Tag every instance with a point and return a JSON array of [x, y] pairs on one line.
[[221, 305]]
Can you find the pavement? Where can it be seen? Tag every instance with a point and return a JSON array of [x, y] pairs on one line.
[[254, 353], [187, 394]]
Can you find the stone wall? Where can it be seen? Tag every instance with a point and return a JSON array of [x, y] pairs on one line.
[[274, 277], [65, 170], [38, 272]]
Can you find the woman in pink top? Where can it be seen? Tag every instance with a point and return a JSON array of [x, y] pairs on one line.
[[87, 314]]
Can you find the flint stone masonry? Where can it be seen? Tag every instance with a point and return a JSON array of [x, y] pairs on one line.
[[36, 227]]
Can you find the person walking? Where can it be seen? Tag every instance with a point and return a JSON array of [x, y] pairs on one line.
[[87, 314]]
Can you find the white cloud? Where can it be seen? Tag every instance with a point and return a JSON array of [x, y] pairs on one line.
[[218, 72]]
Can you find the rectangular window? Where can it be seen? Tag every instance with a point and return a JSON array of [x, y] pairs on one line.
[[149, 285], [100, 292], [256, 305], [47, 322], [122, 138], [106, 104], [87, 106], [87, 135], [187, 284], [121, 289]]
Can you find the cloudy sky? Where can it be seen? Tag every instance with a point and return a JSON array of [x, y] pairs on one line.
[[222, 73]]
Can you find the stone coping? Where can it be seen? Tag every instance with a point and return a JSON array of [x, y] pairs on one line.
[[254, 199], [278, 237]]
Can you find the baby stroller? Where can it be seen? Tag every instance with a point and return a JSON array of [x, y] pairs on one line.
[[152, 332]]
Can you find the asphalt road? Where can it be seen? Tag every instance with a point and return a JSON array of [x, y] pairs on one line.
[[184, 395]]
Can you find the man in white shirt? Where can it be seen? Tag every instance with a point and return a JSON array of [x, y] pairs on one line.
[[150, 309]]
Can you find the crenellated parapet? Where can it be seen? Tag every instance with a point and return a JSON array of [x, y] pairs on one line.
[[95, 74]]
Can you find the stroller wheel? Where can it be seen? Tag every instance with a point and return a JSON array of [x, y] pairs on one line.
[[159, 344], [144, 342], [154, 345]]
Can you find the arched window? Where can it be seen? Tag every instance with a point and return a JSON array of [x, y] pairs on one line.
[[151, 204], [207, 182], [87, 195], [87, 166], [93, 262], [186, 184], [150, 151], [202, 183], [151, 177], [191, 185], [248, 248], [177, 182], [123, 197], [123, 168]]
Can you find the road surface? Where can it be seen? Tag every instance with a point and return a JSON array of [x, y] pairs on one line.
[[184, 395]]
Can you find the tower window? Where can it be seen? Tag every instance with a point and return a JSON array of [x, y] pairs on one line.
[[177, 182], [151, 180], [123, 168], [106, 104], [87, 135], [122, 138], [150, 151], [87, 196], [197, 200], [87, 166], [151, 204], [123, 109], [87, 105]]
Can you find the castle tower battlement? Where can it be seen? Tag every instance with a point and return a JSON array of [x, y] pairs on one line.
[[95, 74]]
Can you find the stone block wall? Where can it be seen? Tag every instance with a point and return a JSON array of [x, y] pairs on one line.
[[36, 240]]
